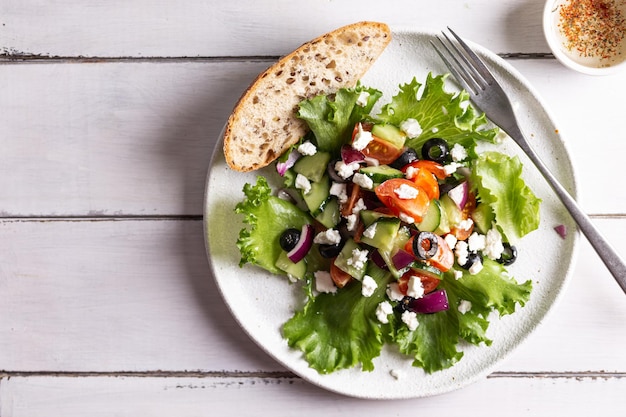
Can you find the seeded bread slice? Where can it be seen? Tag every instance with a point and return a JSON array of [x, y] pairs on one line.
[[263, 124]]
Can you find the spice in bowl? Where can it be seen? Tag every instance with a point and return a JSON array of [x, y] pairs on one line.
[[589, 33]]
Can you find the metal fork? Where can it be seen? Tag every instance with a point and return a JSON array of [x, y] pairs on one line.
[[487, 94]]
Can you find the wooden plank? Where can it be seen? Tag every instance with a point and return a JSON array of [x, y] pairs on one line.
[[138, 296], [128, 396], [144, 28], [65, 126]]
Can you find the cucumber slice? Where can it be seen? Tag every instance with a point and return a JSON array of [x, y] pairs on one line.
[[386, 230], [390, 133], [402, 237], [330, 214], [452, 212], [345, 260], [296, 270], [370, 216], [431, 220], [381, 173], [317, 196], [427, 270], [313, 166]]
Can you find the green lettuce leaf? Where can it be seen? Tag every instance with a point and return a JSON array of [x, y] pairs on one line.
[[339, 331], [332, 117], [268, 217], [498, 179], [439, 113]]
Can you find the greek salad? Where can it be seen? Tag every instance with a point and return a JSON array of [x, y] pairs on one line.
[[396, 227]]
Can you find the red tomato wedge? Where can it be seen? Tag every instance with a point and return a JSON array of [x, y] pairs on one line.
[[442, 260], [339, 277], [436, 168], [428, 182], [429, 283], [392, 194], [378, 148]]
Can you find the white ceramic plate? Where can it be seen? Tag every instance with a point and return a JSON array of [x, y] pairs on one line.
[[262, 302]]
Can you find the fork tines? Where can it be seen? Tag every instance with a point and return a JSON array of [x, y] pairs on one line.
[[463, 63]]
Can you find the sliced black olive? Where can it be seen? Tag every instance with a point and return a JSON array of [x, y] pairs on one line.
[[404, 304], [436, 149], [408, 156], [472, 259], [330, 251], [425, 245], [289, 239], [509, 254]]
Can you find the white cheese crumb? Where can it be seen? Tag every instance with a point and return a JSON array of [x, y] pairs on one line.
[[346, 170], [351, 222], [458, 152], [411, 127], [370, 232], [393, 292], [465, 224], [464, 306], [415, 288], [362, 99], [410, 319], [307, 148], [363, 180], [303, 183], [450, 240], [396, 373], [451, 168], [458, 274], [360, 205], [476, 267], [476, 242], [358, 259], [406, 218], [410, 172], [324, 283], [406, 192], [462, 252], [493, 244], [328, 237], [340, 191], [368, 286], [362, 138], [383, 310], [434, 129]]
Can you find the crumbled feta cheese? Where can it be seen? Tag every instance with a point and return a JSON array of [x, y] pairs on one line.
[[324, 283], [351, 222], [360, 205], [370, 232], [476, 267], [303, 183], [340, 191], [410, 319], [458, 152], [415, 288], [476, 242], [406, 192], [358, 259], [328, 237], [411, 127], [396, 373], [406, 218], [462, 252], [362, 99], [451, 167], [362, 138], [363, 180], [465, 224], [307, 148], [493, 244], [458, 274], [368, 286], [450, 240], [393, 292], [383, 310], [434, 129], [464, 306], [346, 170], [410, 172]]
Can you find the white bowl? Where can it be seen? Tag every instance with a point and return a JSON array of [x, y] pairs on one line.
[[570, 57]]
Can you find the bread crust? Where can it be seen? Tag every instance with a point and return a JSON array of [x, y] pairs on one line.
[[263, 124]]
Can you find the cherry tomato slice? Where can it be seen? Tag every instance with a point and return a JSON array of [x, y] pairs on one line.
[[390, 194], [443, 258], [436, 168], [427, 181], [339, 277], [378, 148], [429, 283]]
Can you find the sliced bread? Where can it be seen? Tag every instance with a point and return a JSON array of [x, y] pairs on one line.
[[263, 124]]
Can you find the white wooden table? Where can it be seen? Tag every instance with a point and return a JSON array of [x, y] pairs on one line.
[[109, 112]]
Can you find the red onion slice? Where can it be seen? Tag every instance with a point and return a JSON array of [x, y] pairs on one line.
[[350, 155], [561, 230], [402, 259], [460, 194], [378, 260], [282, 167], [303, 246], [430, 303]]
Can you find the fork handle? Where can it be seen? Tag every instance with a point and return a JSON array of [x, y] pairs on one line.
[[609, 256]]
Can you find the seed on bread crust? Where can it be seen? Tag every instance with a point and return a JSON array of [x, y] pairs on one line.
[[263, 124]]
